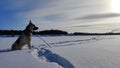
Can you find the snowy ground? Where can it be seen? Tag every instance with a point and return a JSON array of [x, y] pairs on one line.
[[66, 52]]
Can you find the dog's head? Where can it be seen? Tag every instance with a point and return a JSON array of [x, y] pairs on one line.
[[31, 26]]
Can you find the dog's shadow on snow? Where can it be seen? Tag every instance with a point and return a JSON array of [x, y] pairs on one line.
[[5, 50], [51, 57]]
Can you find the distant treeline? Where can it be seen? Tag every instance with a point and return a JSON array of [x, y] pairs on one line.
[[51, 32], [45, 32], [82, 33]]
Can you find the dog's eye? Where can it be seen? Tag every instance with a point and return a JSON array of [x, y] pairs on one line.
[[33, 25]]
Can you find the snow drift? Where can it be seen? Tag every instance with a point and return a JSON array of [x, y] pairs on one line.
[[66, 52]]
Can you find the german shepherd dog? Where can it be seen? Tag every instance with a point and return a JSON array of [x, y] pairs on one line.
[[25, 37]]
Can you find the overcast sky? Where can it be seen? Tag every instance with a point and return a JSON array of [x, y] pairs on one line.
[[68, 15]]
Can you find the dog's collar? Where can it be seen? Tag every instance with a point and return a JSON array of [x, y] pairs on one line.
[[27, 32], [30, 31]]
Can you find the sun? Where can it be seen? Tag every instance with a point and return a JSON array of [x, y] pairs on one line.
[[115, 6]]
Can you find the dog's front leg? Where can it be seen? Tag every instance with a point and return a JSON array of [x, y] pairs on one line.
[[29, 45]]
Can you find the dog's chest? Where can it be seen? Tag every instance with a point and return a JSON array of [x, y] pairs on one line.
[[25, 39]]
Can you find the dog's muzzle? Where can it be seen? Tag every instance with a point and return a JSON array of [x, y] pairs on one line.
[[35, 28]]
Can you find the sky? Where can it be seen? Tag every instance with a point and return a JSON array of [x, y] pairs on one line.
[[68, 15]]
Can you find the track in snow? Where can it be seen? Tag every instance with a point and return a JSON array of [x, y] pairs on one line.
[[48, 56]]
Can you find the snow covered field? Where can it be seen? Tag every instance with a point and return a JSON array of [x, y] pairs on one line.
[[66, 52]]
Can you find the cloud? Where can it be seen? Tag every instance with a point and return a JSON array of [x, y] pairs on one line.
[[24, 5], [59, 9], [55, 17], [57, 14], [98, 16]]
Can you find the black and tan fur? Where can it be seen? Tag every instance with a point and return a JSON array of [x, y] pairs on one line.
[[24, 38]]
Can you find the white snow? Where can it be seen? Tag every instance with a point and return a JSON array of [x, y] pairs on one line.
[[66, 52]]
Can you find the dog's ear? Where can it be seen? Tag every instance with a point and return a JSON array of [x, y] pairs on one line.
[[30, 22]]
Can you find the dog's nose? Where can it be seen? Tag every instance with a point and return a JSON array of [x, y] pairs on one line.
[[35, 28]]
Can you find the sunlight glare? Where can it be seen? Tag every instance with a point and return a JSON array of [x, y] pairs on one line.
[[115, 6]]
